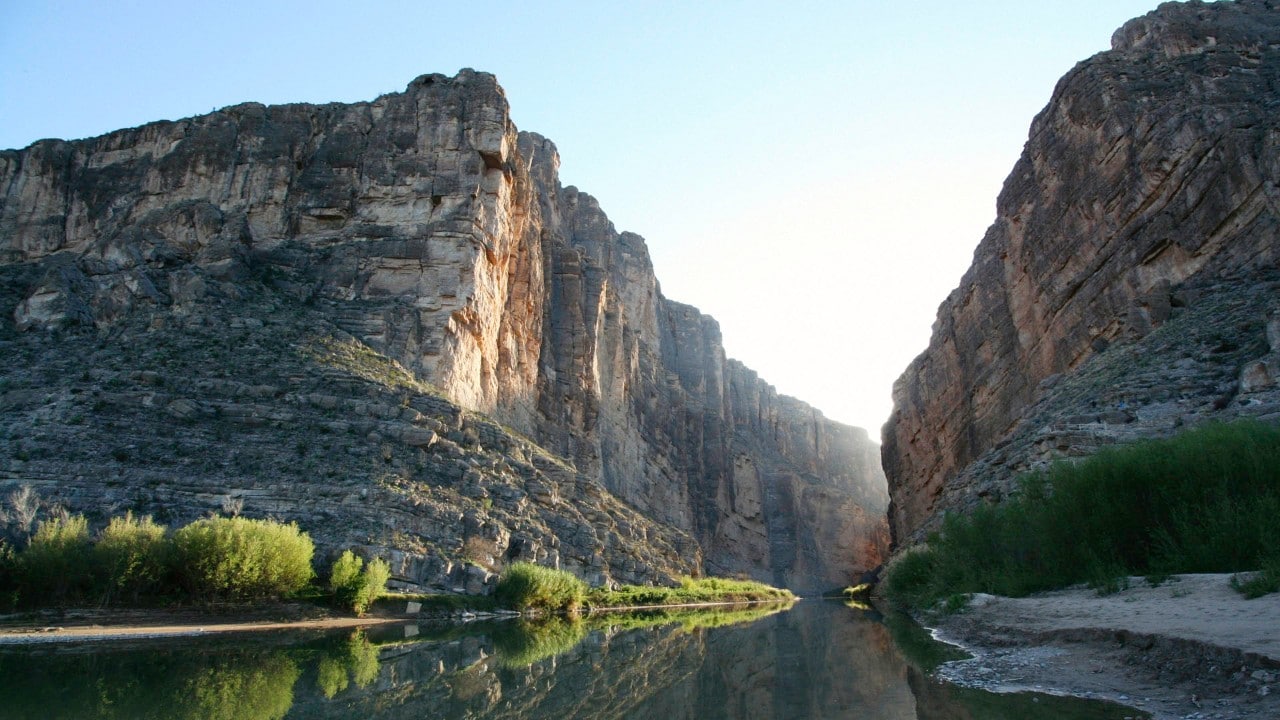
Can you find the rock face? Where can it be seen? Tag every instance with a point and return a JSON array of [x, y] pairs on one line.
[[415, 252], [1128, 284]]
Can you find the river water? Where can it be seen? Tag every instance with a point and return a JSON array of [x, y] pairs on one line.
[[814, 660]]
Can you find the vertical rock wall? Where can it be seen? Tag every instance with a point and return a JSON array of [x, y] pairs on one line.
[[1154, 168], [427, 227]]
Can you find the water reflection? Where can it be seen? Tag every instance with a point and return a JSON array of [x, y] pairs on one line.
[[816, 660]]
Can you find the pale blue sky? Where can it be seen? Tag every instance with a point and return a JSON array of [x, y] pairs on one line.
[[813, 174]]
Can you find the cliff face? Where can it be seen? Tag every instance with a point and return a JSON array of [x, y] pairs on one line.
[[427, 249], [1146, 195]]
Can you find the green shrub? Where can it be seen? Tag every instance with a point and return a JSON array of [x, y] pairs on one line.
[[354, 588], [525, 586], [131, 559], [1207, 500], [243, 559], [55, 566], [8, 577]]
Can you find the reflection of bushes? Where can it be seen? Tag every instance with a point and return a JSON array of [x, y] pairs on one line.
[[688, 619], [240, 690], [354, 660], [523, 643], [146, 686]]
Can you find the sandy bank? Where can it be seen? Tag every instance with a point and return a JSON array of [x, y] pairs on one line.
[[1190, 648], [141, 625]]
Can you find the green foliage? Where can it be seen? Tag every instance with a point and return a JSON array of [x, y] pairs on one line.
[[522, 643], [243, 559], [690, 591], [525, 586], [356, 660], [9, 578], [131, 559], [55, 567], [355, 588], [149, 686], [1207, 500], [1266, 580]]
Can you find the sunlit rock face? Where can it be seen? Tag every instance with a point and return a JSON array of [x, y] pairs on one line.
[[424, 227], [1126, 285]]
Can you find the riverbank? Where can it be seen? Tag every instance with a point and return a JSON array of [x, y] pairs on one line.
[[99, 625], [1189, 648]]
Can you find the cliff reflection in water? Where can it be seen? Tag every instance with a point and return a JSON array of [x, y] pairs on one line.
[[813, 660]]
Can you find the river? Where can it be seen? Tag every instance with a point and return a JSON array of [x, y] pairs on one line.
[[814, 660]]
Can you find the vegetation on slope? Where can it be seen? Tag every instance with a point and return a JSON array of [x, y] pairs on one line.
[[135, 561], [1207, 500], [525, 586]]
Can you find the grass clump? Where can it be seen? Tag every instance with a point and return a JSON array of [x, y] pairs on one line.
[[690, 591], [525, 586], [355, 585], [1207, 500]]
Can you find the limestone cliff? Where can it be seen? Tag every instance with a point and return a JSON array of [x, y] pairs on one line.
[[397, 272], [1125, 287]]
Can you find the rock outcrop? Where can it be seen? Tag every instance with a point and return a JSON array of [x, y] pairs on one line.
[[1128, 284], [409, 274]]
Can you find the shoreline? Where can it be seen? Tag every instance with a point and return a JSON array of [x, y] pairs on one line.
[[48, 634], [154, 624], [1190, 648]]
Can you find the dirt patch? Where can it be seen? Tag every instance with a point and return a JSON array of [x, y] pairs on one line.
[[1190, 648]]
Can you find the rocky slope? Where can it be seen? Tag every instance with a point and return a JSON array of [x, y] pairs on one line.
[[390, 321], [1128, 284]]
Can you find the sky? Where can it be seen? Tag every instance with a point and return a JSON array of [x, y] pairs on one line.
[[814, 175]]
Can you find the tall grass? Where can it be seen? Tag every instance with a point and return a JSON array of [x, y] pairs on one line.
[[525, 586], [1207, 500], [690, 591]]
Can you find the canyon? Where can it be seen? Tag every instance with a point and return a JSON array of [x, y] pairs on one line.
[[1128, 286], [389, 322]]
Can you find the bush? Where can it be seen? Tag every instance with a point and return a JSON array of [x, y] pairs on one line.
[[131, 559], [1207, 500], [56, 564], [356, 589], [243, 559], [525, 586]]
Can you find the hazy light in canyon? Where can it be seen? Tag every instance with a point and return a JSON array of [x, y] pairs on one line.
[[814, 175]]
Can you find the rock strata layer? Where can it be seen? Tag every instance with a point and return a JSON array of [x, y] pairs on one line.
[[402, 293], [1128, 285]]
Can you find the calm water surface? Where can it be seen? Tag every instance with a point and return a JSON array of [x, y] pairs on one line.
[[815, 660]]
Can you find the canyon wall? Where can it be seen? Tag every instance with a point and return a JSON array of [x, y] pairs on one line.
[[414, 250], [1127, 287]]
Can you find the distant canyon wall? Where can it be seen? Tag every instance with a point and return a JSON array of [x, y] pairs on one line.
[[426, 226], [1127, 286]]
